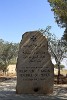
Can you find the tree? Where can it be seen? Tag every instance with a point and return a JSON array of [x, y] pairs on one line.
[[65, 35], [8, 54], [1, 51], [59, 7], [1, 46], [15, 48], [61, 66], [56, 47]]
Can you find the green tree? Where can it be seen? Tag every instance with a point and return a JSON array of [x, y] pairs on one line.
[[1, 51], [15, 48], [1, 46], [56, 47], [61, 66], [59, 7], [8, 54]]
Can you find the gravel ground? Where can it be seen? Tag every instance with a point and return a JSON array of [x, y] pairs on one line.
[[8, 92]]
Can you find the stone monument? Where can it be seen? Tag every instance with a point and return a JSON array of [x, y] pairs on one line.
[[35, 71]]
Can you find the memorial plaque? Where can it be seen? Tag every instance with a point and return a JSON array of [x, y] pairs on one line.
[[35, 71]]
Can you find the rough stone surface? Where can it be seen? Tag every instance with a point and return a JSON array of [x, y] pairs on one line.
[[35, 73]]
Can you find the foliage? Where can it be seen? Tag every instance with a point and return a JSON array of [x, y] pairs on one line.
[[13, 60], [59, 7], [56, 47], [65, 35], [61, 66], [8, 52], [1, 46]]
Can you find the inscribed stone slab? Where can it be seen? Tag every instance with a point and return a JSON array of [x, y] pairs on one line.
[[35, 73]]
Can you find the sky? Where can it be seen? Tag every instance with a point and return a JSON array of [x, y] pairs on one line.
[[20, 16]]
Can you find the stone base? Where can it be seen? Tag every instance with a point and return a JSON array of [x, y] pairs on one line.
[[35, 90]]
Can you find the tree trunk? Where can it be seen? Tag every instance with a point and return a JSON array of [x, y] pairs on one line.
[[58, 76]]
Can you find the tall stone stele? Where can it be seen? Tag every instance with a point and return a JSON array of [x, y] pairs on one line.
[[35, 71]]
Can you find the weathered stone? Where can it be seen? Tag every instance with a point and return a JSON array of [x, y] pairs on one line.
[[35, 73]]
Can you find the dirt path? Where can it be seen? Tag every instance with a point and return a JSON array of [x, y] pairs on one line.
[[8, 92]]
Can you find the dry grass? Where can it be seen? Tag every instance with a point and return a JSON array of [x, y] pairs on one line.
[[62, 72], [63, 76]]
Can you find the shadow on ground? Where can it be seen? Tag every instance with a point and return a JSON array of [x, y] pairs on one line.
[[11, 95], [8, 92]]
